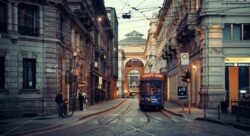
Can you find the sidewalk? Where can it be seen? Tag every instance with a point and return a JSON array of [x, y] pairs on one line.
[[210, 115], [21, 126]]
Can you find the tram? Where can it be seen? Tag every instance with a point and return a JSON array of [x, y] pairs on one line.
[[151, 91]]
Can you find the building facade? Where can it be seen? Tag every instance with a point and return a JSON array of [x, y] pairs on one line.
[[113, 51], [120, 81], [215, 34], [51, 46], [134, 48]]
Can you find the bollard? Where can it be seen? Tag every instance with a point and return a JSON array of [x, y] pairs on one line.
[[218, 112], [238, 114], [204, 111]]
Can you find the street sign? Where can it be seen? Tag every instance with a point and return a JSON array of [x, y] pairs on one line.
[[182, 92], [82, 83], [184, 59]]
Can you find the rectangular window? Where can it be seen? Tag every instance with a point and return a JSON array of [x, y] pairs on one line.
[[246, 32], [237, 32], [2, 72], [227, 32], [28, 19], [3, 16], [29, 73]]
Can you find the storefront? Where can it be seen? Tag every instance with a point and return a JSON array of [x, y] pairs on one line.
[[237, 74]]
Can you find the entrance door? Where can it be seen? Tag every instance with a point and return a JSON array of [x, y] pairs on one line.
[[233, 83]]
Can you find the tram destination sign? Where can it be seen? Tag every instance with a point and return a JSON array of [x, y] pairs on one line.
[[182, 92]]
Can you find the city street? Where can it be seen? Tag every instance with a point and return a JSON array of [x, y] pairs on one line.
[[127, 119]]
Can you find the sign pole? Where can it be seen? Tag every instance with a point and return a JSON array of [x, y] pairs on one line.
[[182, 105], [189, 99]]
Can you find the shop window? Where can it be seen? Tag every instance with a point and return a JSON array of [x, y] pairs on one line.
[[28, 19], [2, 72], [3, 17], [29, 73]]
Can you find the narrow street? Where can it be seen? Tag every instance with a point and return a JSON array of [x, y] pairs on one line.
[[128, 120]]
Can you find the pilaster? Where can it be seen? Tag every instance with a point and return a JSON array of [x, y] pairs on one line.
[[213, 89]]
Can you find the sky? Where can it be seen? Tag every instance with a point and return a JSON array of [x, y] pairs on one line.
[[140, 10]]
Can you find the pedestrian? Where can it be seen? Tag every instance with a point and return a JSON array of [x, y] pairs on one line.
[[85, 101], [80, 99], [59, 104]]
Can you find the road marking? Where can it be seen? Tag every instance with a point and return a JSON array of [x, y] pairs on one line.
[[128, 120], [143, 120]]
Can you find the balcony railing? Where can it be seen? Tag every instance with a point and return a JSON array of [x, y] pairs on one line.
[[27, 30]]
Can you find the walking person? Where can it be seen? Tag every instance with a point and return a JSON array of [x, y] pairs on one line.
[[59, 104], [85, 101], [80, 99]]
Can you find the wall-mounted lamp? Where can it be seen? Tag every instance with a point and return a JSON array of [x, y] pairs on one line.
[[99, 19], [75, 54]]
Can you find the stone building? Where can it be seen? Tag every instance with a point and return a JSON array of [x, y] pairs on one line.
[[47, 46], [134, 48], [113, 51], [216, 36]]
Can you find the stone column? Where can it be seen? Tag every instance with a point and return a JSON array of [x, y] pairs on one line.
[[41, 27], [213, 90], [15, 17], [9, 17], [72, 38]]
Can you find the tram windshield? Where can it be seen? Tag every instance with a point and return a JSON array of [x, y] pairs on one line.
[[151, 87]]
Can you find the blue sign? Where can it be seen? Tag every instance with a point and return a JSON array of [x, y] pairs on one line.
[[182, 92]]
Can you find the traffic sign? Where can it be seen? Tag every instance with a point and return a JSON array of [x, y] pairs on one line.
[[182, 92], [184, 59]]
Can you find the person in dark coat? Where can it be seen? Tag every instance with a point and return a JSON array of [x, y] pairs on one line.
[[59, 104], [80, 99]]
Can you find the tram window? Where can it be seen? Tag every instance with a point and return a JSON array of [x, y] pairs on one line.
[[148, 88]]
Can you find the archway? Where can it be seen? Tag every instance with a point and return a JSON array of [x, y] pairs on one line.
[[133, 69]]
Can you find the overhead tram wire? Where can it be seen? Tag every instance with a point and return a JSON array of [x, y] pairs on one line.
[[124, 6], [135, 9]]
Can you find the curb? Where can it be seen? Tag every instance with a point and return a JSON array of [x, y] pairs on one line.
[[211, 120], [62, 125], [173, 113], [239, 126], [96, 113]]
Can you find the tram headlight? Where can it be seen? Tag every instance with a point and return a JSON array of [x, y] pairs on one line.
[[148, 99]]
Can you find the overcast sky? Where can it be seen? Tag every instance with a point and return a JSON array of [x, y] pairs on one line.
[[142, 9]]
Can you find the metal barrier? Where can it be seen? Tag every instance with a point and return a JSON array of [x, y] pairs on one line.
[[241, 108]]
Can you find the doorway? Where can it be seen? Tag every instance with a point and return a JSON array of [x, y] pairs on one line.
[[236, 78]]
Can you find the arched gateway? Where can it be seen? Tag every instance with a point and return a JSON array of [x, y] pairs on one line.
[[133, 71], [132, 66]]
